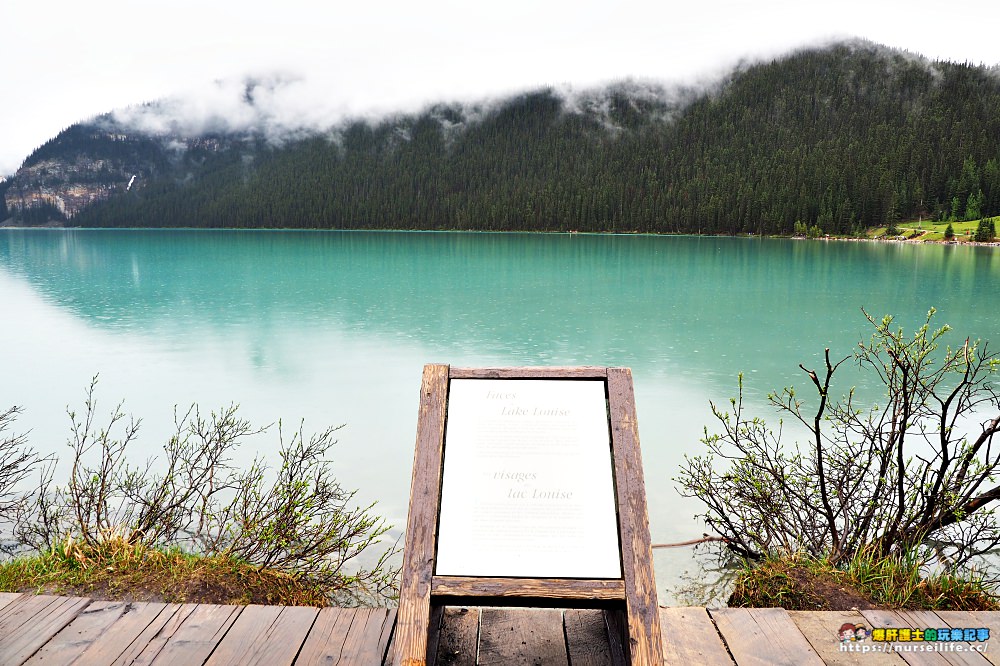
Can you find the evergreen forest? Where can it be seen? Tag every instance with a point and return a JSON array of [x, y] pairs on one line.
[[842, 138]]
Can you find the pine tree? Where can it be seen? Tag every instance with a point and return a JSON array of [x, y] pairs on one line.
[[973, 208], [985, 232]]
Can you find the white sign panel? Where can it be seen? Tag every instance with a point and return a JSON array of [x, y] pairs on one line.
[[527, 489]]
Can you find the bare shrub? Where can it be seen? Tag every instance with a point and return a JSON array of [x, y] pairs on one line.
[[17, 461], [917, 472], [296, 519]]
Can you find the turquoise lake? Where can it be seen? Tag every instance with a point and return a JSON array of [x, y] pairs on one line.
[[335, 327]]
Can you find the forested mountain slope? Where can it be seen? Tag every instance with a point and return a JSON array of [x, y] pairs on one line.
[[844, 137]]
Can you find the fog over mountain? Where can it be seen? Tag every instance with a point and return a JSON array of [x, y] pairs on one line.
[[842, 139], [282, 108], [279, 106], [70, 61]]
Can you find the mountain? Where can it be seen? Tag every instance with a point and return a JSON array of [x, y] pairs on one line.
[[845, 137], [90, 163]]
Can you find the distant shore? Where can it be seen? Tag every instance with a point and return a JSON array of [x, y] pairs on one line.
[[6, 224], [901, 241]]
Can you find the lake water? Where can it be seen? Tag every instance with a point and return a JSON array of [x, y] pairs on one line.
[[335, 327]]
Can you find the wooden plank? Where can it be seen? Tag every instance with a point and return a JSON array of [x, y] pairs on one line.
[[892, 619], [521, 636], [325, 643], [530, 372], [190, 636], [390, 651], [425, 492], [587, 642], [763, 636], [99, 634], [8, 597], [433, 634], [821, 629], [266, 635], [969, 619], [923, 619], [913, 619], [21, 611], [30, 622], [617, 635], [690, 637], [457, 637], [591, 589], [368, 637], [148, 644], [637, 555], [388, 634], [115, 646]]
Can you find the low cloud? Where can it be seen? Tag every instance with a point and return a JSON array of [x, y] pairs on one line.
[[279, 107]]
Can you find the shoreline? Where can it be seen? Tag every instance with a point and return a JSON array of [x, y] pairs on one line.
[[901, 241]]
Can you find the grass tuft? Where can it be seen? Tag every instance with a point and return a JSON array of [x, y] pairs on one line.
[[799, 582], [117, 570]]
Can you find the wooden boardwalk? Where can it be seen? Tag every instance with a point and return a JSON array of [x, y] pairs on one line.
[[68, 630]]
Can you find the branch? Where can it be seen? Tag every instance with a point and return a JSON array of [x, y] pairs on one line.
[[824, 390], [950, 517], [693, 542]]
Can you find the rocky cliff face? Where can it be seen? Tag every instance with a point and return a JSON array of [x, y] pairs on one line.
[[88, 163], [65, 185], [82, 165]]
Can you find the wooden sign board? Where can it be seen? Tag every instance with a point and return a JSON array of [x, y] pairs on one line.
[[527, 490]]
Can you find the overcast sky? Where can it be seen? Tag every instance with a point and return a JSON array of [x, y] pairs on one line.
[[67, 60]]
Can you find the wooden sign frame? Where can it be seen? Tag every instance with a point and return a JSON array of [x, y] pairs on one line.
[[421, 589]]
